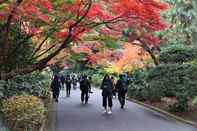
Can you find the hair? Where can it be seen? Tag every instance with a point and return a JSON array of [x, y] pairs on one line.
[[106, 77], [85, 76]]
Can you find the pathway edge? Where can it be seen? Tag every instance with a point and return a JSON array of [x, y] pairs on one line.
[[163, 112]]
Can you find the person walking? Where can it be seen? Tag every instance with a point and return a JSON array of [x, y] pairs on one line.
[[114, 89], [74, 82], [122, 88], [68, 85], [55, 87], [85, 87], [62, 81], [107, 92]]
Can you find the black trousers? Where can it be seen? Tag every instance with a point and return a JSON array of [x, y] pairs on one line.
[[56, 94], [68, 88], [84, 95], [121, 97], [107, 100]]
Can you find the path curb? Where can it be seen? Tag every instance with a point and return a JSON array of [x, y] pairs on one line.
[[163, 112], [42, 128]]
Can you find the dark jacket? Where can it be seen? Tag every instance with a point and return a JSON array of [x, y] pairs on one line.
[[62, 79], [68, 82], [85, 85], [107, 87], [119, 86], [55, 85]]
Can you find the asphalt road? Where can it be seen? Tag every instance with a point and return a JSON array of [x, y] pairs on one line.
[[71, 115]]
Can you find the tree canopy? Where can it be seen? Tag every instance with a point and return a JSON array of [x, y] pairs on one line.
[[56, 25]]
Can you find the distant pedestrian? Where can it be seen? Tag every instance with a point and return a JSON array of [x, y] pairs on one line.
[[68, 85], [74, 82], [85, 87], [122, 88], [107, 92], [62, 78], [55, 87], [114, 89]]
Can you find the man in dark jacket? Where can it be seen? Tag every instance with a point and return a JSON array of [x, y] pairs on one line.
[[122, 87], [68, 85], [107, 92], [62, 81], [85, 88], [55, 87]]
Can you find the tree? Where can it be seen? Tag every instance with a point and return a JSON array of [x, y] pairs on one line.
[[61, 23], [182, 17]]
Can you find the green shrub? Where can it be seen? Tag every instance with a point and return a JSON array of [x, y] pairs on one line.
[[37, 84], [155, 93], [97, 79], [177, 54], [23, 112], [137, 88], [174, 78], [182, 103]]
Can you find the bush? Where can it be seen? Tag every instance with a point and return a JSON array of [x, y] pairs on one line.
[[23, 112], [137, 88], [37, 84], [174, 78], [97, 79], [177, 54], [155, 93], [182, 103]]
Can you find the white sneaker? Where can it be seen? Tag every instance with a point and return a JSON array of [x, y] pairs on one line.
[[109, 112], [104, 111]]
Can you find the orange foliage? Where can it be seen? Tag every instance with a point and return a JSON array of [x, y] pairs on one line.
[[132, 55]]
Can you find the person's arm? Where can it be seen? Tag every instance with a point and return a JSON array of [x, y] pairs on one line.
[[102, 84], [51, 86], [89, 85], [117, 85]]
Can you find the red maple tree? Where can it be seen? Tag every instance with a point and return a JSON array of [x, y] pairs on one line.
[[67, 21]]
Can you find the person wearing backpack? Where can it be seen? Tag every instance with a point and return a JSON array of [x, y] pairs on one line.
[[55, 87], [85, 87], [107, 92], [122, 88], [68, 85]]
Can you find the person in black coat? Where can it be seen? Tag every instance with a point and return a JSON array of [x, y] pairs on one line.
[[55, 87], [122, 88], [85, 87], [62, 81], [68, 85], [107, 92]]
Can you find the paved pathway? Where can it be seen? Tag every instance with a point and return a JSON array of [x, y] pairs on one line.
[[71, 115]]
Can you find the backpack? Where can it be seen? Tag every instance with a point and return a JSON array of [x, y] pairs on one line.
[[84, 84], [124, 85]]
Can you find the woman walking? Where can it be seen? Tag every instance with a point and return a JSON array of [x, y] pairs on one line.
[[55, 87], [107, 92], [68, 85]]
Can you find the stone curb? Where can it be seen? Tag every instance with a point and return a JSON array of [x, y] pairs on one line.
[[163, 112], [45, 124], [42, 128]]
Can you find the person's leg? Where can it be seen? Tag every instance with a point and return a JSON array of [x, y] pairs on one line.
[[123, 99], [105, 104], [57, 95], [110, 103], [82, 96], [69, 90], [109, 98], [120, 98], [86, 97], [53, 94]]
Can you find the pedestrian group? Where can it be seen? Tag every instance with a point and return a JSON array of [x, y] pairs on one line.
[[108, 86]]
